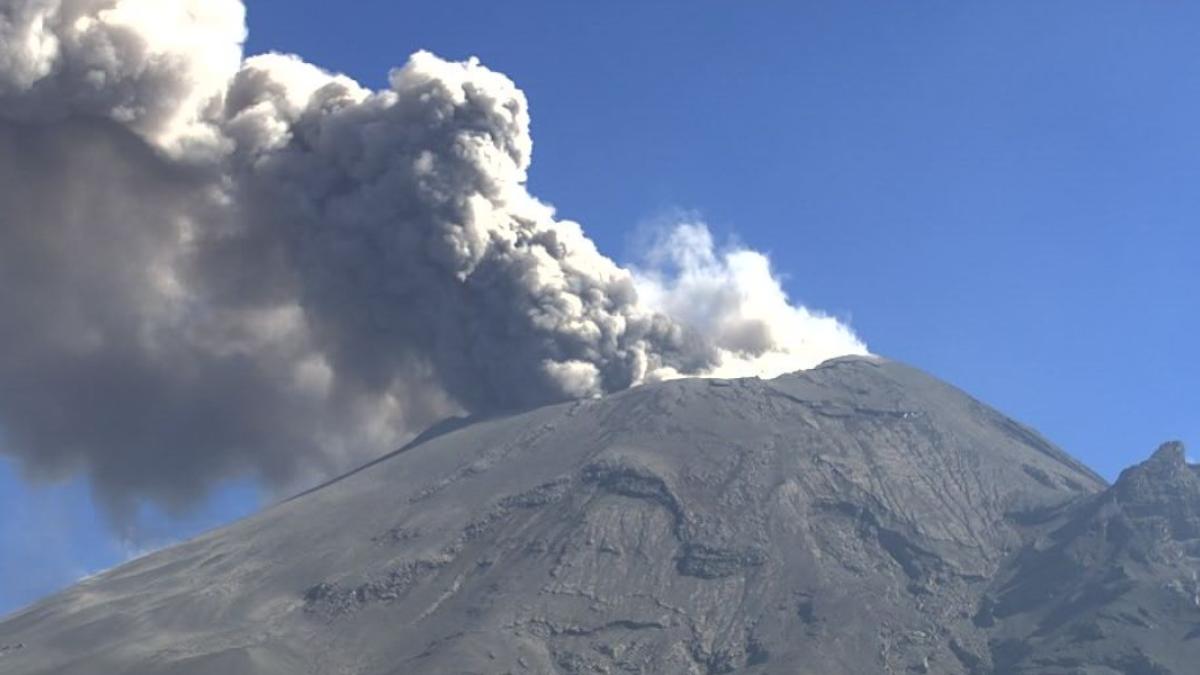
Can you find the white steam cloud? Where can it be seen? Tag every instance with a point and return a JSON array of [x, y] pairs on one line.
[[736, 302], [212, 266]]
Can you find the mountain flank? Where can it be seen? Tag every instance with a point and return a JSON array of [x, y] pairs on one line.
[[860, 517]]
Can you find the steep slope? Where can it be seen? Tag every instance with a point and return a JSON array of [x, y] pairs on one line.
[[846, 519], [1112, 587]]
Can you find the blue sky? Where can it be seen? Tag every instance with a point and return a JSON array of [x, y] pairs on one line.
[[1003, 195]]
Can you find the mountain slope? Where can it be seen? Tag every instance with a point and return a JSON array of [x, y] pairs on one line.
[[860, 517], [1112, 586]]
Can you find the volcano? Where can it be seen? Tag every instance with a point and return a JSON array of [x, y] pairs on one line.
[[860, 517]]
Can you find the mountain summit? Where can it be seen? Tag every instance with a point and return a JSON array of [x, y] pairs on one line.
[[860, 517]]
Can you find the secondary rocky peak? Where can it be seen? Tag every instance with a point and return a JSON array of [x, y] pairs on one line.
[[1166, 475], [1113, 583], [1171, 453], [1158, 501]]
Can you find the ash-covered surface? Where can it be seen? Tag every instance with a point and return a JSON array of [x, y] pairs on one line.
[[861, 517]]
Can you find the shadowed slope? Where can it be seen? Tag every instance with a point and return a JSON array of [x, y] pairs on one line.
[[1112, 586]]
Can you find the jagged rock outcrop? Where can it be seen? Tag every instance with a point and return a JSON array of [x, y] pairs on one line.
[[861, 517], [1111, 586]]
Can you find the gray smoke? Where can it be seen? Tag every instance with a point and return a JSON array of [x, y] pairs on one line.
[[212, 267]]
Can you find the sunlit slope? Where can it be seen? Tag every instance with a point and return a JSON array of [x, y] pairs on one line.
[[848, 519]]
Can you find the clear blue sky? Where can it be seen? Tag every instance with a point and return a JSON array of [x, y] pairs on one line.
[[1004, 195]]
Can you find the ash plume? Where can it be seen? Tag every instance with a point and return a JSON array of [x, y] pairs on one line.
[[214, 266]]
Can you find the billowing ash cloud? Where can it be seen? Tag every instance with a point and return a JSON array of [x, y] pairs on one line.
[[212, 266]]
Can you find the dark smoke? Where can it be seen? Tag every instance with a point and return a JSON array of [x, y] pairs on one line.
[[212, 267]]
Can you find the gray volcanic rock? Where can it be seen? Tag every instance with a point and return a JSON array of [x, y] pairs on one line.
[[1112, 585], [861, 517]]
